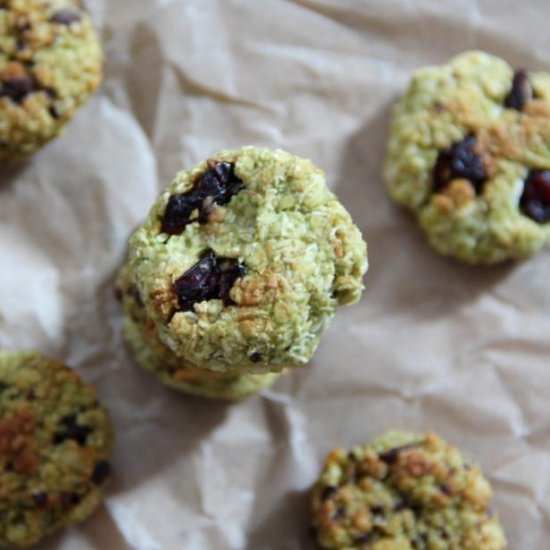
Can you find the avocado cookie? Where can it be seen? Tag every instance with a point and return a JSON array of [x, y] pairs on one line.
[[152, 354], [54, 448], [469, 155], [50, 63], [243, 261], [403, 491]]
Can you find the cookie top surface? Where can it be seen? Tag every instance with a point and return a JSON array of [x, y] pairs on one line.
[[403, 491], [54, 446], [243, 260], [153, 355], [469, 153], [50, 62]]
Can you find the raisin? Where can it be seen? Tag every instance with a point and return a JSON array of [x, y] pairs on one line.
[[217, 185], [339, 514], [255, 357], [101, 472], [459, 161], [66, 17], [445, 488], [521, 92], [535, 200], [17, 88], [209, 279], [71, 429]]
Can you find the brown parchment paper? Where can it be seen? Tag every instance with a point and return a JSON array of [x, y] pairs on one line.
[[433, 344]]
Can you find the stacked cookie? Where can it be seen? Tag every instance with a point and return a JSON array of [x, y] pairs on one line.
[[238, 268]]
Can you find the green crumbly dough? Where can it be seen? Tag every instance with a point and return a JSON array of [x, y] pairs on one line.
[[152, 354], [300, 250], [54, 445], [404, 491], [50, 63], [444, 105]]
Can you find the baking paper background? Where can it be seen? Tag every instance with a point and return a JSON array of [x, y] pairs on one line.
[[433, 344]]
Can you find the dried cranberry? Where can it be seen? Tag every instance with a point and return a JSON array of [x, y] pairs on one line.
[[363, 539], [17, 88], [230, 271], [378, 511], [66, 17], [390, 457], [71, 429], [217, 185], [521, 92], [459, 161], [40, 499], [101, 472], [209, 279], [328, 492], [535, 200], [199, 283]]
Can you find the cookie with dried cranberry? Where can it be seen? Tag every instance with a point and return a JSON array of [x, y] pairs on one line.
[[153, 355], [244, 259], [50, 63], [54, 448], [403, 491], [469, 154]]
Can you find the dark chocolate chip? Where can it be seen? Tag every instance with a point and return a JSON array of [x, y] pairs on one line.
[[217, 185], [102, 471], [66, 17], [20, 44], [40, 499], [339, 514], [445, 488], [17, 88], [71, 429], [460, 161], [328, 492], [209, 279], [535, 199], [521, 92], [255, 357]]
